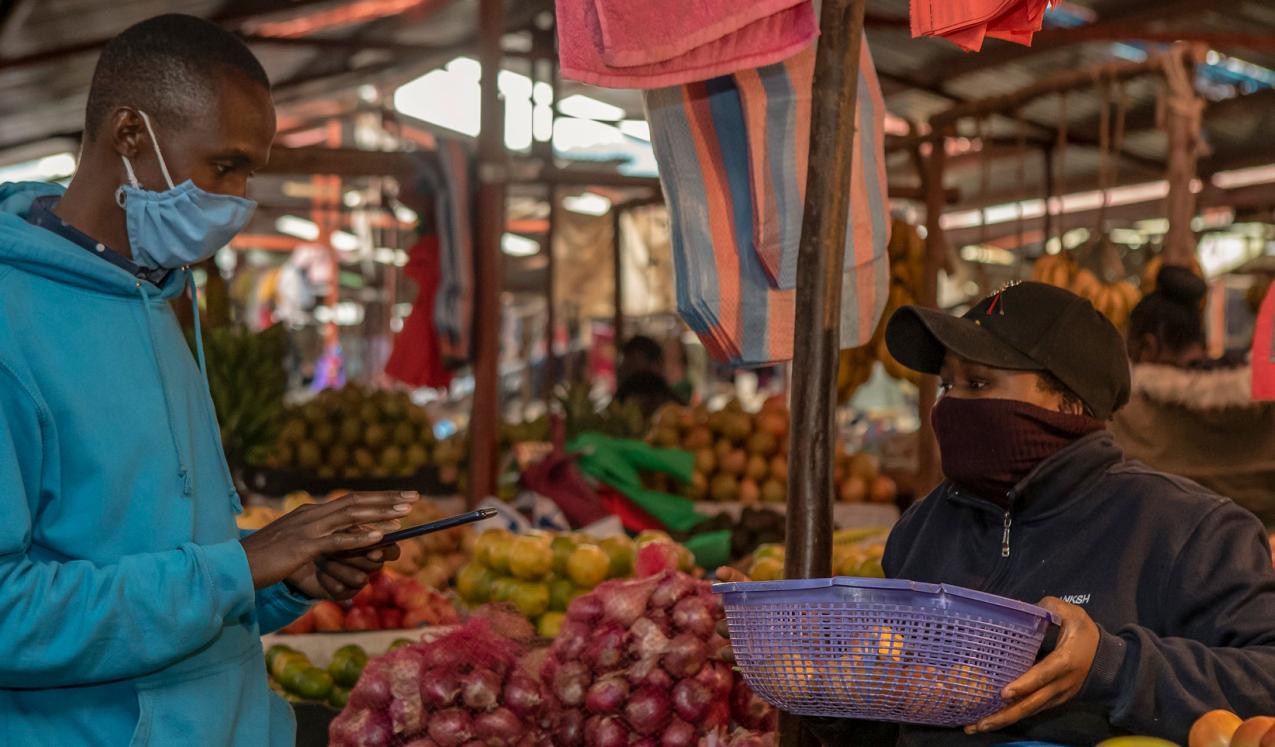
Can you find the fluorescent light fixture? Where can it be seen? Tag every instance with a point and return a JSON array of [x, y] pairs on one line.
[[1244, 177], [298, 227], [1127, 236], [384, 255], [1072, 203], [587, 107], [400, 258], [636, 128], [588, 203], [519, 246], [988, 255], [405, 214], [344, 241], [48, 168], [570, 134], [352, 198]]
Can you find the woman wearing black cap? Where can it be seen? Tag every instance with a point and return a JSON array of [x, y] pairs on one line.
[[1189, 415], [1165, 590]]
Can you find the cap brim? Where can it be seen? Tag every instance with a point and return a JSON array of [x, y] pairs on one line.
[[919, 338]]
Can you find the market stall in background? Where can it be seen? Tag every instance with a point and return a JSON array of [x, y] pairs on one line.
[[457, 239]]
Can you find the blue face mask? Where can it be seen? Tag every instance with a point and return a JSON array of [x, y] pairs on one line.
[[181, 226]]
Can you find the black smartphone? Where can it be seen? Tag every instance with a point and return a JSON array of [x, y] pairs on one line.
[[481, 514]]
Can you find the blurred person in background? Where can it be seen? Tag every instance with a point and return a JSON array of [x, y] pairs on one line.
[[1190, 415], [641, 378]]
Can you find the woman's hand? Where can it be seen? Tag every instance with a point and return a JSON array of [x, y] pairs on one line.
[[340, 579], [1056, 678]]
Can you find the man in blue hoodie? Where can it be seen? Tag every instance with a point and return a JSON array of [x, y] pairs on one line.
[[130, 606]]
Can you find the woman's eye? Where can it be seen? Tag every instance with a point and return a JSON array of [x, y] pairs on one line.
[[945, 387], [222, 169], [976, 385]]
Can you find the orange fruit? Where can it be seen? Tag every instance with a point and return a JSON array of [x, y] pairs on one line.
[[530, 558], [588, 566], [1214, 729]]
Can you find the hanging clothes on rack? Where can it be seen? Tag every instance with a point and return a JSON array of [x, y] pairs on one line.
[[732, 154], [448, 177], [417, 357], [966, 23], [660, 43]]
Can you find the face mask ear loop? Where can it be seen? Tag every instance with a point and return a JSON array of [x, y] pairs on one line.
[[158, 153]]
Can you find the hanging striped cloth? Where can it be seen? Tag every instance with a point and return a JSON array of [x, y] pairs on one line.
[[732, 154]]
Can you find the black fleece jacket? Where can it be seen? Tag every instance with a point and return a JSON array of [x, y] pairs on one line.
[[1178, 579]]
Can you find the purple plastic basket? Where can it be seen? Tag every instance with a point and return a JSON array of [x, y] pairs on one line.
[[880, 649]]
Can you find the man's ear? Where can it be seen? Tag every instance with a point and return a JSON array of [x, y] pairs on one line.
[[126, 131]]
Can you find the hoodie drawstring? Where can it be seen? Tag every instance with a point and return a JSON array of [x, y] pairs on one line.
[[203, 371], [182, 473]]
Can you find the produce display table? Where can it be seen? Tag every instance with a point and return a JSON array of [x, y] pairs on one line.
[[844, 515], [319, 647]]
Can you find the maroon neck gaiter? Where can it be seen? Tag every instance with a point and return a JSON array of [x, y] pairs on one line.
[[990, 445]]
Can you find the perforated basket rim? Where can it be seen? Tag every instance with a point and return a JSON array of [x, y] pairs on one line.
[[755, 591]]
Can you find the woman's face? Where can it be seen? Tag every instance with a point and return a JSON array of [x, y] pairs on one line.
[[965, 379]]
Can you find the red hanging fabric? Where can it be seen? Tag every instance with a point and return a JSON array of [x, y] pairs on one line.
[[966, 23], [1263, 358], [416, 359]]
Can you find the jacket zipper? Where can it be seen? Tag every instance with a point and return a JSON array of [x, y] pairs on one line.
[[1009, 520]]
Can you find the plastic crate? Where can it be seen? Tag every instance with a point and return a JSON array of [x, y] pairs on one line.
[[881, 649]]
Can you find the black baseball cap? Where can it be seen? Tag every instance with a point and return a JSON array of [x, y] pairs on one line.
[[1025, 327]]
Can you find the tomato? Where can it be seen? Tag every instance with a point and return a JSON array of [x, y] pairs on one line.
[[1251, 732], [1214, 729]]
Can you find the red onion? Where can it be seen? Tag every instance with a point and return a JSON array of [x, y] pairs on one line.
[[718, 676], [480, 689], [498, 728], [691, 699], [406, 715], [568, 729], [625, 601], [439, 689], [717, 715], [686, 656], [605, 650], [693, 615], [364, 728], [671, 588], [647, 711], [372, 691], [644, 742], [571, 640], [645, 639], [639, 670], [586, 608], [607, 695], [678, 734], [421, 742], [522, 696], [570, 681], [748, 709], [605, 731], [450, 727], [659, 679]]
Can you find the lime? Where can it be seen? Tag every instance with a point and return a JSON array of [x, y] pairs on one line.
[[588, 566], [621, 551], [560, 594], [549, 624], [398, 643], [474, 582], [530, 558], [274, 651], [290, 675], [502, 588], [562, 547], [531, 599], [313, 684], [338, 697], [347, 664], [285, 658]]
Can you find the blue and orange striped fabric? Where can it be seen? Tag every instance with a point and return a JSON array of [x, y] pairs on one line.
[[732, 153]]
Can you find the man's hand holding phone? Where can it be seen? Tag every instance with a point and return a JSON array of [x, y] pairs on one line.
[[294, 546]]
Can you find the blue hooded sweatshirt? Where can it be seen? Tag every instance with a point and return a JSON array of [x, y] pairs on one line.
[[127, 609]]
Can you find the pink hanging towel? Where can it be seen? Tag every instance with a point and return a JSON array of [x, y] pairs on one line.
[[651, 31], [1263, 358], [966, 23], [769, 39]]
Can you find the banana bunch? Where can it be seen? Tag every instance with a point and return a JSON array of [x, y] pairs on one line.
[[907, 273], [247, 380], [1055, 269]]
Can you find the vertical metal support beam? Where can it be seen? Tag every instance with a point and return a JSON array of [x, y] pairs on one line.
[[818, 313], [928, 470], [484, 424], [617, 255], [1184, 113]]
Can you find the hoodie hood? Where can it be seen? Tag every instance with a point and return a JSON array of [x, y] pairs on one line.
[[44, 253], [1199, 390]]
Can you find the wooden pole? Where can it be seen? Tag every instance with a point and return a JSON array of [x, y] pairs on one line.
[[617, 255], [818, 313], [551, 301], [928, 468], [484, 423], [1183, 116]]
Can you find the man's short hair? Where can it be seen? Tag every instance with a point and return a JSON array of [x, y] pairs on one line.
[[167, 66]]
